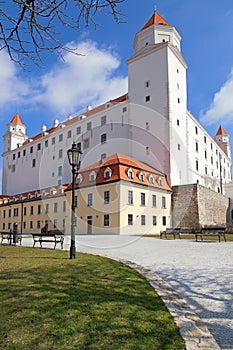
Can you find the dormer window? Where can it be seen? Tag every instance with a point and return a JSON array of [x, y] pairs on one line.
[[130, 173], [29, 196], [160, 181], [79, 179], [92, 176], [141, 176], [151, 179], [107, 173]]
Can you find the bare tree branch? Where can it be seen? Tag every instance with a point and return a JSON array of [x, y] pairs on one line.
[[28, 27]]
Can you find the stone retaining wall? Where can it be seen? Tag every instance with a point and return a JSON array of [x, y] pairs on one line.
[[194, 206]]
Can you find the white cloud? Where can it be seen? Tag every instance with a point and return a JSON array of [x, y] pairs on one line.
[[82, 80], [13, 89], [222, 106]]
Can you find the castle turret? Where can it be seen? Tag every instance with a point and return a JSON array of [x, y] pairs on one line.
[[15, 135], [222, 139]]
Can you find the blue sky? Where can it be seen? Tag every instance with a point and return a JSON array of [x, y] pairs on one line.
[[63, 88]]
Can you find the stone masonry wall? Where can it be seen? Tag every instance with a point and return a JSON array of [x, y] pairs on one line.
[[194, 206]]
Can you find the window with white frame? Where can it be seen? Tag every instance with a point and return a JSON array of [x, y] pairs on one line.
[[103, 138], [106, 197], [143, 198], [154, 220], [107, 173], [92, 176], [106, 220], [79, 179], [130, 197], [141, 176], [163, 202], [89, 199], [130, 173], [143, 220], [103, 120], [130, 219], [154, 201], [151, 179]]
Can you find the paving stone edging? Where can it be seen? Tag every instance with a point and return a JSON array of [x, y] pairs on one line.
[[194, 333]]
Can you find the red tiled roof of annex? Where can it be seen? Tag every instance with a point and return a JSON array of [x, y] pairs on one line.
[[119, 165]]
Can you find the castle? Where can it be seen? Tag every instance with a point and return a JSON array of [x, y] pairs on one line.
[[149, 124]]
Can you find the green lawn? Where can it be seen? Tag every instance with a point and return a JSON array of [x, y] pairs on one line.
[[51, 302]]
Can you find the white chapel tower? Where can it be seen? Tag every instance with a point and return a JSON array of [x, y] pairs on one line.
[[15, 135]]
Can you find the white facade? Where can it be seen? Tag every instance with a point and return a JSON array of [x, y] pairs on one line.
[[150, 123]]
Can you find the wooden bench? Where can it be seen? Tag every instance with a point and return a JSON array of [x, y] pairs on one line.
[[9, 237], [55, 238], [211, 232], [170, 231]]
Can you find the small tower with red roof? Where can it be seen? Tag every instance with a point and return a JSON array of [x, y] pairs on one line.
[[222, 139], [15, 135]]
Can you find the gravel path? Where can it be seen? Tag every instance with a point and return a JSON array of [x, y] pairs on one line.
[[201, 272]]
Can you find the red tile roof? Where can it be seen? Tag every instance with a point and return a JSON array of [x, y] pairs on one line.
[[221, 131], [119, 165], [16, 120], [156, 18]]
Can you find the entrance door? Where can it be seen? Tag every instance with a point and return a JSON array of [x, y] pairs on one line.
[[89, 225]]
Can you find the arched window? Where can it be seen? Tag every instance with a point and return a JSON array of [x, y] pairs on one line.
[[92, 176], [130, 173], [107, 173], [141, 176], [160, 181], [151, 179], [79, 179]]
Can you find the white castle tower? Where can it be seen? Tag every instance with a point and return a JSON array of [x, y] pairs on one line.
[[15, 135]]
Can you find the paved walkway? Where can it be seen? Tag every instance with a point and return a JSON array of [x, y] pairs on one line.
[[201, 272]]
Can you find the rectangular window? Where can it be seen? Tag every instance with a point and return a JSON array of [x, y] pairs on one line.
[[69, 134], [4, 213], [39, 147], [24, 225], [124, 109], [143, 220], [16, 211], [205, 139], [55, 207], [88, 126], [53, 141], [85, 143], [46, 143], [164, 220], [25, 211], [24, 152], [64, 206], [143, 199], [103, 155], [31, 210], [33, 163], [154, 219], [197, 165], [147, 98], [46, 208], [60, 137], [164, 202], [103, 138], [18, 154], [154, 200], [130, 219], [89, 199], [60, 153], [55, 223], [9, 213], [106, 219], [196, 146], [31, 149], [60, 171], [106, 197], [39, 209], [103, 120], [76, 201], [78, 130], [38, 224], [3, 226], [13, 156], [196, 130], [130, 197], [31, 224]]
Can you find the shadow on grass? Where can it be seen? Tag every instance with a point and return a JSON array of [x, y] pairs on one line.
[[87, 303]]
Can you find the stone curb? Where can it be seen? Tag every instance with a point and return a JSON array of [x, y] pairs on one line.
[[192, 329]]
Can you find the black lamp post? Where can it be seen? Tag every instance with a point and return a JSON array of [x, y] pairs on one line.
[[74, 159]]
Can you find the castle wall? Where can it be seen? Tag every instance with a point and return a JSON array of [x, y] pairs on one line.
[[194, 206]]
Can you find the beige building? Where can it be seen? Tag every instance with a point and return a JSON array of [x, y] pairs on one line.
[[119, 195]]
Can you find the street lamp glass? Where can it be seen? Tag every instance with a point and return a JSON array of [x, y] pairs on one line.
[[74, 155]]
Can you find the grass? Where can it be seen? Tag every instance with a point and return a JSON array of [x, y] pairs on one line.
[[51, 302]]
